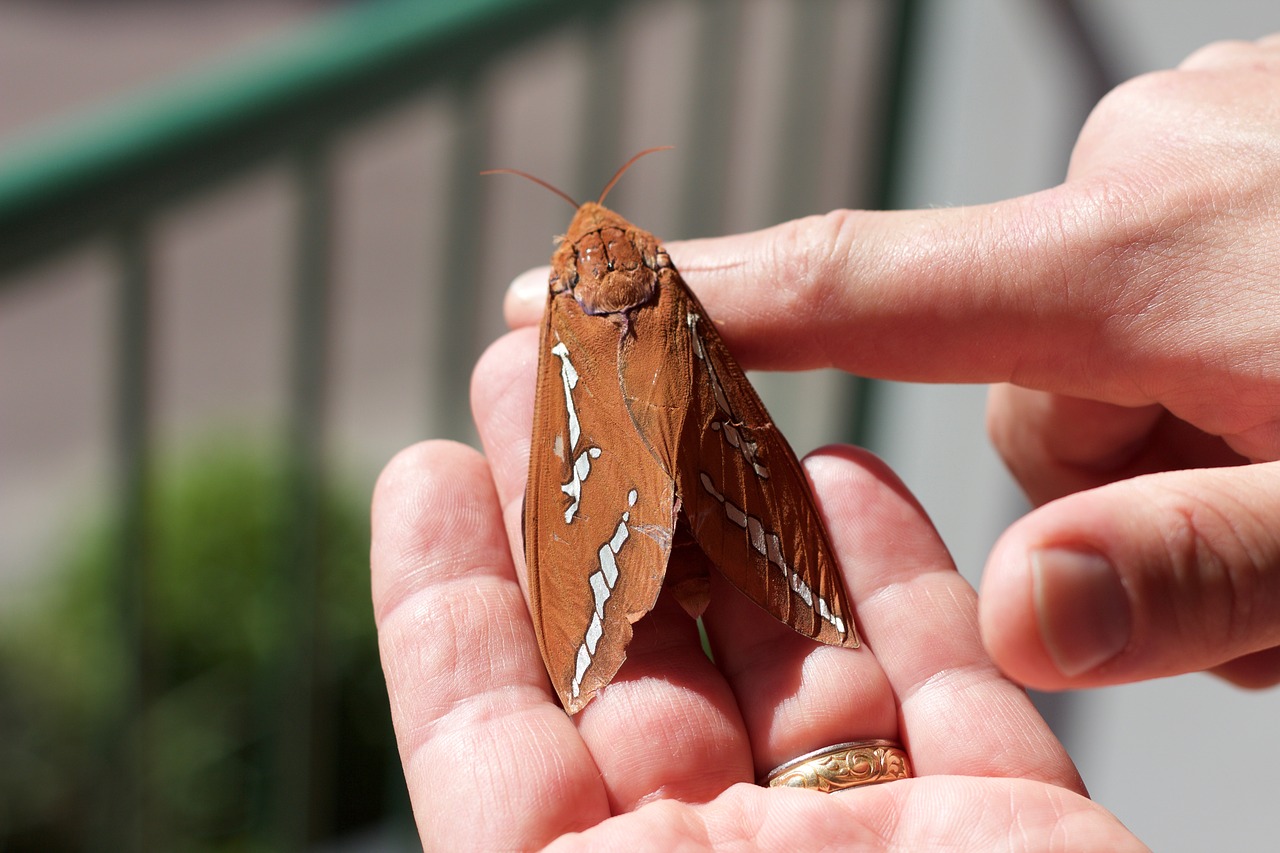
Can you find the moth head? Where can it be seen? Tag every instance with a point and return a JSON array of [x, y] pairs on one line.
[[607, 261]]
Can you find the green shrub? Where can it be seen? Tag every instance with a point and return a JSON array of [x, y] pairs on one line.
[[187, 745]]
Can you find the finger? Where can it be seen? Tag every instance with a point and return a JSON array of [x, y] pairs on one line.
[[959, 714], [797, 695], [1164, 574], [667, 725], [1014, 290], [526, 298], [481, 739], [1056, 445], [787, 296]]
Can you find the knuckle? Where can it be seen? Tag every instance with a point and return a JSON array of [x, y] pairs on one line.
[[405, 467], [1218, 568], [1117, 106], [1134, 237], [814, 253]]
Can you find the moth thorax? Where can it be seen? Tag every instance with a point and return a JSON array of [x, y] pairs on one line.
[[617, 290]]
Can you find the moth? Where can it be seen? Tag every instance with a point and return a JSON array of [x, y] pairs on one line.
[[648, 438]]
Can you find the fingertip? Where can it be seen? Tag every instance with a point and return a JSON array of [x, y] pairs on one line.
[[1007, 615], [408, 465], [526, 298], [466, 684], [1053, 608], [854, 481], [502, 392], [503, 375], [412, 471], [415, 500], [1146, 578]]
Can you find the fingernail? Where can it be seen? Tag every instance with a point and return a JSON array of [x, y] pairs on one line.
[[1081, 607]]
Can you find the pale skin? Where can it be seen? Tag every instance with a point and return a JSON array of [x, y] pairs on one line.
[[1128, 320]]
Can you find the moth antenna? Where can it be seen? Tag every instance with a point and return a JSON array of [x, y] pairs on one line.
[[564, 195], [627, 165]]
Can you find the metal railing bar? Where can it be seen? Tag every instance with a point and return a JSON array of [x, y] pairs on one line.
[[291, 787], [1096, 65], [1098, 71], [883, 178], [124, 741], [454, 326], [600, 153], [706, 179], [61, 186], [810, 46]]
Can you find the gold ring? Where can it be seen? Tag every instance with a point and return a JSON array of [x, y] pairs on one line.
[[845, 765]]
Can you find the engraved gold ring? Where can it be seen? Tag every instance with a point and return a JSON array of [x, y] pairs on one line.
[[845, 765]]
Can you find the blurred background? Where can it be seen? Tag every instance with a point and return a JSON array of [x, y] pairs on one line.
[[245, 257]]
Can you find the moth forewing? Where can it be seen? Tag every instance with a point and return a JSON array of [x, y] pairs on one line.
[[596, 507], [748, 500]]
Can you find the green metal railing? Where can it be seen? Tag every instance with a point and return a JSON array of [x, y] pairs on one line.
[[70, 182], [107, 180]]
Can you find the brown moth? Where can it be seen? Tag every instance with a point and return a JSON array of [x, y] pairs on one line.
[[647, 432]]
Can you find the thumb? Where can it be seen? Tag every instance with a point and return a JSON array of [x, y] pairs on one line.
[[1159, 575]]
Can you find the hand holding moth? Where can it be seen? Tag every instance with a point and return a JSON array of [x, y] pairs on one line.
[[1132, 317], [669, 751]]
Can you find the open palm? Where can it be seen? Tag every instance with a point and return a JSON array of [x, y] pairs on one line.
[[667, 754]]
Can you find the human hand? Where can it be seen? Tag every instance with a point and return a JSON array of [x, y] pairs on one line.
[[667, 753], [1132, 312]]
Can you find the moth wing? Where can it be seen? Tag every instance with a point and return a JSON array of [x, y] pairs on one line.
[[657, 382], [747, 498], [599, 509]]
